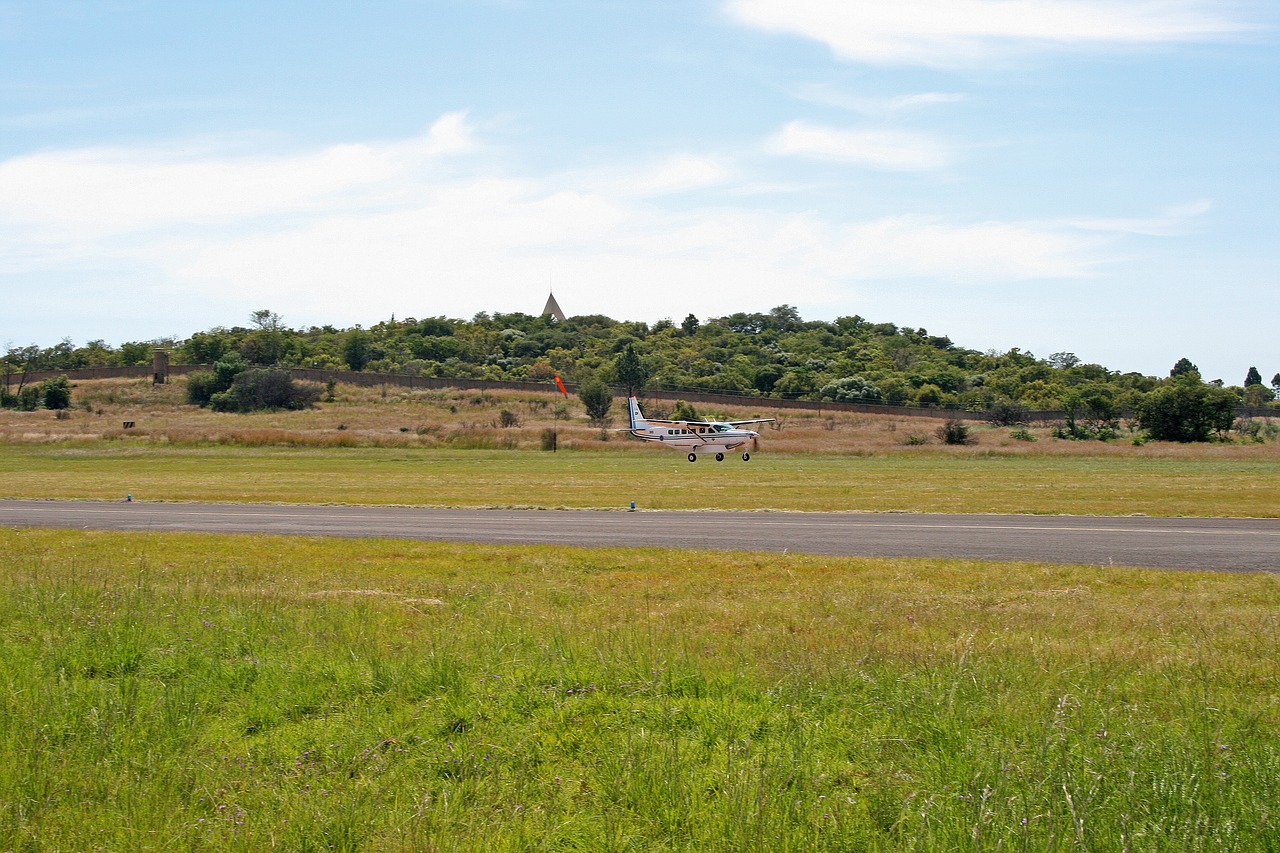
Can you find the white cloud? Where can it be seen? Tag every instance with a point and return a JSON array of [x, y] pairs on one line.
[[882, 149], [450, 134], [959, 32], [682, 173], [974, 252], [825, 95], [678, 173], [1169, 222], [118, 191], [357, 232]]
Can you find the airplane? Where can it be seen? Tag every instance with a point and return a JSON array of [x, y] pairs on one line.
[[694, 436]]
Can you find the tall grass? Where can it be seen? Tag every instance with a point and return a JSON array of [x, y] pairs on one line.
[[203, 692]]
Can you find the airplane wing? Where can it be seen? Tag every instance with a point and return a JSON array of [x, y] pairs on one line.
[[752, 421]]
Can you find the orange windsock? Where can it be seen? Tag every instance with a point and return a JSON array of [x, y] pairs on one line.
[[560, 385]]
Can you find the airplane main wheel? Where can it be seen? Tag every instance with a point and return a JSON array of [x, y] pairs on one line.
[[693, 457], [719, 457], [746, 457]]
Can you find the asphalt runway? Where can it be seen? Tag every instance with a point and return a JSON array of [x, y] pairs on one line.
[[1220, 544]]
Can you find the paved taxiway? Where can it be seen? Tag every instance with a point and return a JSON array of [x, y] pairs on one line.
[[1222, 544]]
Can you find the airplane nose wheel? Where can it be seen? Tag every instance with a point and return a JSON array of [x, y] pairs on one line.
[[693, 457], [719, 457], [746, 457]]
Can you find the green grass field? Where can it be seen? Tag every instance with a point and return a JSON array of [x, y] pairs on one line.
[[194, 692], [983, 482]]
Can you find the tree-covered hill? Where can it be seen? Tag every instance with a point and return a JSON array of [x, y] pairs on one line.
[[776, 354]]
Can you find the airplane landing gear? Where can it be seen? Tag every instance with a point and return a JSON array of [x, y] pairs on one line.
[[719, 457], [746, 457], [693, 457]]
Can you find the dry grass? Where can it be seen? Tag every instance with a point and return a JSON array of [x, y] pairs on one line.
[[418, 418]]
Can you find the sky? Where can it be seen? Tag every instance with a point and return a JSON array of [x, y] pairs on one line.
[[1099, 177]]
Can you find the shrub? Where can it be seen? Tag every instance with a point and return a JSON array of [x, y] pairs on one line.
[[201, 386], [508, 419], [269, 388], [1007, 413], [954, 432], [28, 399], [1256, 430], [597, 398], [684, 412], [1022, 434], [55, 393]]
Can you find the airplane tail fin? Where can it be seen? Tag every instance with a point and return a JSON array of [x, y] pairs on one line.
[[637, 417]]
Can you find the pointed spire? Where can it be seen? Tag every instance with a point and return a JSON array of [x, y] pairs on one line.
[[553, 308]]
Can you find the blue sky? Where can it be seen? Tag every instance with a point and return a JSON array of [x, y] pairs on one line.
[[1098, 176]]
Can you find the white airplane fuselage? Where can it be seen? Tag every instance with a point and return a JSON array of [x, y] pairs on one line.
[[695, 437]]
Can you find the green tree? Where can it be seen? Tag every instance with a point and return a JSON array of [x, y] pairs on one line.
[[796, 383], [135, 352], [1184, 367], [929, 395], [1187, 410], [203, 385], [267, 345], [1253, 377], [785, 318], [851, 389], [630, 371], [767, 377], [207, 347], [597, 397], [357, 349], [1258, 395], [96, 354], [1090, 413]]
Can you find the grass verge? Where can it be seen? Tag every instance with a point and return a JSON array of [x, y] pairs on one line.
[[187, 691], [982, 482]]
